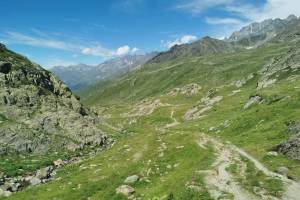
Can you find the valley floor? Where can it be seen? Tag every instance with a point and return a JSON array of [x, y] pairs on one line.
[[176, 158]]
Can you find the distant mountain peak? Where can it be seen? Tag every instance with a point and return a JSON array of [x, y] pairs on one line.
[[260, 32], [291, 17]]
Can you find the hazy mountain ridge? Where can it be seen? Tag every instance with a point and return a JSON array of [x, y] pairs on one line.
[[82, 75]]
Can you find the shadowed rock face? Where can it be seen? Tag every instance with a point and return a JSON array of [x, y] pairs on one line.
[[38, 113], [5, 68], [290, 148]]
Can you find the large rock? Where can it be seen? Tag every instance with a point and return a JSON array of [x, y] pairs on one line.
[[293, 127], [34, 181], [48, 116], [125, 190], [44, 173], [131, 179], [58, 163], [290, 148], [282, 170]]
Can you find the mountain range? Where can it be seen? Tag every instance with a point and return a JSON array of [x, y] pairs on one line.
[[82, 75]]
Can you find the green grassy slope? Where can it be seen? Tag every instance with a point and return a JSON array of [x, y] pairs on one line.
[[168, 157], [155, 79]]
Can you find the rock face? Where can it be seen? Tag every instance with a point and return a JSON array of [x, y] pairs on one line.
[[293, 127], [258, 33], [38, 112], [275, 70]]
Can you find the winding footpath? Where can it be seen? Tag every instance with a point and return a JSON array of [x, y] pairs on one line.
[[220, 182]]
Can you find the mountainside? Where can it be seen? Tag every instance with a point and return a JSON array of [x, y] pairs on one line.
[[205, 46], [38, 113], [258, 33], [251, 36], [80, 76]]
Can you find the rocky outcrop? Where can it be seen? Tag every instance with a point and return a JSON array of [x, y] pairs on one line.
[[279, 66], [188, 90], [41, 113], [259, 33], [290, 148]]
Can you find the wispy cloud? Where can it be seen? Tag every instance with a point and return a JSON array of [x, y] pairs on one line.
[[199, 6], [128, 6], [41, 39], [241, 10], [222, 21], [179, 41], [20, 38]]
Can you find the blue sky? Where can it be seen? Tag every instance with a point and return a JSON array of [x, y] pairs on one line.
[[64, 32]]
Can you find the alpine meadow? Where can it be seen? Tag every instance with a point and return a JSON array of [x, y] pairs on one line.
[[173, 114]]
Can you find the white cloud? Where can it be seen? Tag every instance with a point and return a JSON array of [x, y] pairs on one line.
[[179, 41], [44, 40], [99, 51], [222, 21], [199, 6], [96, 51], [246, 11], [134, 50], [58, 62], [122, 50], [271, 9]]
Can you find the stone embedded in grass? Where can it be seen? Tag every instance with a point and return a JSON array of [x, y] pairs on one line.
[[194, 186], [44, 172], [282, 170], [132, 179], [58, 163], [272, 153], [34, 181], [293, 127], [7, 193], [253, 100], [125, 190]]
